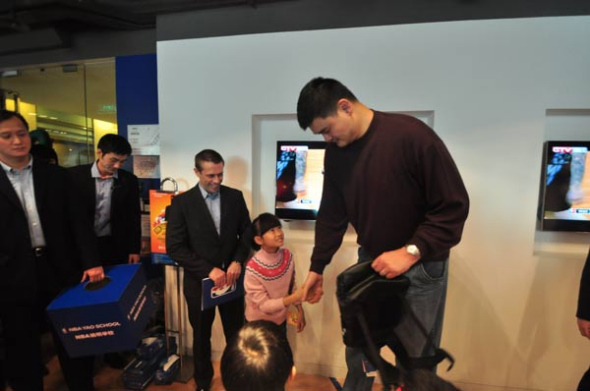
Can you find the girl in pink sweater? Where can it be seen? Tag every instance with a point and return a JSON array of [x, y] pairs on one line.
[[269, 279]]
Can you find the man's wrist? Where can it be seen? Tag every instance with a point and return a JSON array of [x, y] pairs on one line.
[[413, 250], [317, 268]]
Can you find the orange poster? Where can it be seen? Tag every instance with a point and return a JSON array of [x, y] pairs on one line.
[[159, 200]]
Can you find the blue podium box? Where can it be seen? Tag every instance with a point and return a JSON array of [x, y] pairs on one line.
[[104, 317]]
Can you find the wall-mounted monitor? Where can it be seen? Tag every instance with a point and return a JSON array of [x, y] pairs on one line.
[[564, 198], [299, 179]]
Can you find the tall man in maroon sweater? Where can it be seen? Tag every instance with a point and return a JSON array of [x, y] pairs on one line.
[[393, 179]]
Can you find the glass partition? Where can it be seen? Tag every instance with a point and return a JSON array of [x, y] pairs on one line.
[[69, 106]]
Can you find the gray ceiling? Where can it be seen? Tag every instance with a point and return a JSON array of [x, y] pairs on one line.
[[29, 25], [34, 26]]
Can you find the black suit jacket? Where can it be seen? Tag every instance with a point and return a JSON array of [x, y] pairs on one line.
[[125, 210], [584, 297], [193, 241], [69, 238]]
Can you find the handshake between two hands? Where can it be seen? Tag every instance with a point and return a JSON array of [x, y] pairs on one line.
[[389, 264]]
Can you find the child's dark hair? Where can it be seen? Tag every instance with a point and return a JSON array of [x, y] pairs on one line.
[[257, 358], [263, 223]]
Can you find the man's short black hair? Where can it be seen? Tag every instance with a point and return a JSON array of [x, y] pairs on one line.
[[207, 155], [257, 358], [113, 143], [5, 115], [319, 98]]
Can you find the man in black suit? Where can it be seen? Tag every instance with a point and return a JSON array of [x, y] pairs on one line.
[[45, 246], [204, 234], [583, 315], [111, 200], [110, 197]]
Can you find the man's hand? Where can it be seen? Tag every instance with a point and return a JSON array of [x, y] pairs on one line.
[[394, 263], [218, 277], [95, 274], [133, 258], [312, 287], [300, 319], [584, 327], [233, 272]]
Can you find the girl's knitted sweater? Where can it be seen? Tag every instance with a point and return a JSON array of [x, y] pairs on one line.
[[268, 279]]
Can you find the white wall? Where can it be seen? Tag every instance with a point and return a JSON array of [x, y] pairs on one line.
[[512, 296]]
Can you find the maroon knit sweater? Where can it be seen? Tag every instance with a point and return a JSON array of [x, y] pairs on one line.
[[584, 297], [396, 185]]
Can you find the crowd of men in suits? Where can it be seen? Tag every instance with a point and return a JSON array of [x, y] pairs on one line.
[[62, 226], [59, 227]]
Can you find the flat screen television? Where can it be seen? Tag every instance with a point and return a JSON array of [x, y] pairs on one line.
[[564, 198], [299, 179]]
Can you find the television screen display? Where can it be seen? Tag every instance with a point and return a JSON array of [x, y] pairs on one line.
[[564, 203], [299, 179]]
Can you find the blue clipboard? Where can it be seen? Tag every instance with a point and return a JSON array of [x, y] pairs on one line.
[[211, 297]]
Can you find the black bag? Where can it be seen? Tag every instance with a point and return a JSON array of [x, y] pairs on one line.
[[381, 301], [371, 309]]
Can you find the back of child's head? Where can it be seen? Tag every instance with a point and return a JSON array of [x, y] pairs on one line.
[[258, 358], [262, 224]]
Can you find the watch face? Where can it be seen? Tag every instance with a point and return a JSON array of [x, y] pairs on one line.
[[412, 249]]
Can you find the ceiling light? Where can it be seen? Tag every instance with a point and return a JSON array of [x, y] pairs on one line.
[[10, 73]]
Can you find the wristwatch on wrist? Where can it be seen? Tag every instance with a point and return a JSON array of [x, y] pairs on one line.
[[412, 249]]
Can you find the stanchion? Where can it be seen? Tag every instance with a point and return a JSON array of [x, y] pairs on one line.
[[159, 200]]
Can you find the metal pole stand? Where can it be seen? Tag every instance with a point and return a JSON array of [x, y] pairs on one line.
[[186, 362]]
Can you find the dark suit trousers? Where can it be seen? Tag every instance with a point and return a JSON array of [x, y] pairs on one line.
[[109, 253], [232, 319], [22, 327]]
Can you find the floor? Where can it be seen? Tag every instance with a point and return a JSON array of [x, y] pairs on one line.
[[108, 379]]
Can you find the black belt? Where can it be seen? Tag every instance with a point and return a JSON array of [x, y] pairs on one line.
[[40, 251]]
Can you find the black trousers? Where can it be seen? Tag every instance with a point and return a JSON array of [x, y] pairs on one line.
[[23, 354], [22, 326], [110, 253], [232, 319]]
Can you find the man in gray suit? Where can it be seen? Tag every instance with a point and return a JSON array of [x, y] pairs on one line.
[[204, 234]]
